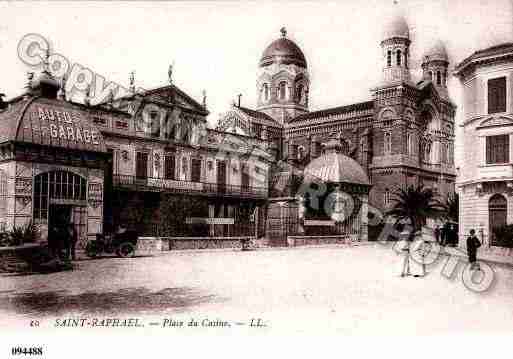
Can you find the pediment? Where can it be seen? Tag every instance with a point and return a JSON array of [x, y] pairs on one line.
[[493, 121], [234, 122], [174, 95]]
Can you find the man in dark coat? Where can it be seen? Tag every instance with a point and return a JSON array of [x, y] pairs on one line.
[[473, 244], [72, 238], [437, 234]]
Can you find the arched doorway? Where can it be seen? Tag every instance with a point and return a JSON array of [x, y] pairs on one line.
[[60, 196], [498, 211]]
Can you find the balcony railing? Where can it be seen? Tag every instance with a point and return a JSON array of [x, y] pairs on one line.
[[179, 186]]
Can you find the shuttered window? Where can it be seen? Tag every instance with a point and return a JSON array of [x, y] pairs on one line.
[[497, 149], [497, 95]]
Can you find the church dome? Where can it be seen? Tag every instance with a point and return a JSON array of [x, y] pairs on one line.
[[437, 52], [334, 167], [396, 27], [283, 51]]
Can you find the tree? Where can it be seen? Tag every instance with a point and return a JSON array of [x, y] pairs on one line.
[[452, 207], [413, 205]]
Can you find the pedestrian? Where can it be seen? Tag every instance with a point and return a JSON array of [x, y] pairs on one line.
[[443, 234], [437, 234], [473, 244], [71, 240]]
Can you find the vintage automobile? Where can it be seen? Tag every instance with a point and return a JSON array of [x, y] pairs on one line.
[[123, 244]]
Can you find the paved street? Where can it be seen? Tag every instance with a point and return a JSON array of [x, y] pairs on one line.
[[331, 289]]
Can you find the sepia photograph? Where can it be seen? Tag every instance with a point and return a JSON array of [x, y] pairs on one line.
[[243, 174]]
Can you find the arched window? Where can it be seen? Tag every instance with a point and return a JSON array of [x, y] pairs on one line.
[[283, 90], [438, 78], [398, 57], [62, 185], [266, 92], [445, 78], [498, 212], [426, 150], [386, 197], [389, 58], [301, 153], [387, 142], [299, 93], [444, 153], [431, 75]]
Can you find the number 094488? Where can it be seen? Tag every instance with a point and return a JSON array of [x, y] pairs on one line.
[[27, 351]]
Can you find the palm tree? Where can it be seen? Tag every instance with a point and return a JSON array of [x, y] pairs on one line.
[[451, 207], [414, 204]]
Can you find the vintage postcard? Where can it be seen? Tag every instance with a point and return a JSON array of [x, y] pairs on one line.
[[176, 173]]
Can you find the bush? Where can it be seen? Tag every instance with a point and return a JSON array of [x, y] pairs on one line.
[[19, 235]]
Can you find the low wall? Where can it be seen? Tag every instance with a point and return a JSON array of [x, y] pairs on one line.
[[295, 241], [158, 244]]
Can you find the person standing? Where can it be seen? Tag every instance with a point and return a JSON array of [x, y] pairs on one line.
[[473, 244], [437, 234], [72, 239]]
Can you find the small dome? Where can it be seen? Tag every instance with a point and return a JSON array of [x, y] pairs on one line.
[[45, 85], [396, 27], [283, 51], [437, 52], [334, 167]]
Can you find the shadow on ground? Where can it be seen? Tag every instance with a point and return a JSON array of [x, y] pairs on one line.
[[124, 301]]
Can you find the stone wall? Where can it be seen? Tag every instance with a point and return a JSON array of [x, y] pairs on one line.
[[295, 241]]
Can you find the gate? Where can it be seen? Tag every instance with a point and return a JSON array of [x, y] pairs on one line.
[[282, 221]]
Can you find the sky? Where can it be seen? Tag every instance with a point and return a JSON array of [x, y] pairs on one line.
[[216, 46]]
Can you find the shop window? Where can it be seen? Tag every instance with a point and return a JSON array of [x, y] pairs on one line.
[[497, 149], [497, 95]]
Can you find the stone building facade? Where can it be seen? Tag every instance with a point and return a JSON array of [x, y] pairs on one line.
[[486, 176], [146, 161]]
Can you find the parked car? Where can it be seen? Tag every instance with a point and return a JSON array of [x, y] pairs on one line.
[[123, 244]]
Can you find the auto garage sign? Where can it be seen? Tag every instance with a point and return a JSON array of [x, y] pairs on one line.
[[62, 125]]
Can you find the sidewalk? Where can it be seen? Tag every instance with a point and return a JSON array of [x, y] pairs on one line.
[[492, 255]]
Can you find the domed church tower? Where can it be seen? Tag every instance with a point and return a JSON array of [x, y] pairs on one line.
[[434, 68], [395, 47], [283, 82]]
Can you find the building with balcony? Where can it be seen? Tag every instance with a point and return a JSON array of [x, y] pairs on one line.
[[486, 174], [146, 161]]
